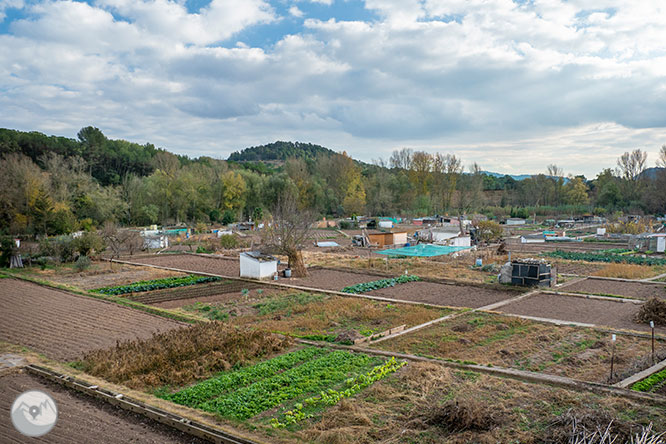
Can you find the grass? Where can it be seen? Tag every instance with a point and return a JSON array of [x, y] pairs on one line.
[[629, 271], [497, 340], [181, 356], [426, 404], [317, 316]]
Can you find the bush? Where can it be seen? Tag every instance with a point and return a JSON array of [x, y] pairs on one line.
[[489, 231], [652, 310], [228, 217], [6, 249], [60, 248], [82, 263], [228, 241], [88, 243]]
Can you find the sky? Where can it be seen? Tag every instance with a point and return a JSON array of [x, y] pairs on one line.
[[513, 85]]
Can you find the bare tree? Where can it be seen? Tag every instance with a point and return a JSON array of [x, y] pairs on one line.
[[402, 159], [661, 160], [632, 164], [288, 232]]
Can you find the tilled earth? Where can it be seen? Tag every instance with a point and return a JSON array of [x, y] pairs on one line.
[[444, 294], [220, 266], [81, 418], [619, 288], [63, 326], [579, 309]]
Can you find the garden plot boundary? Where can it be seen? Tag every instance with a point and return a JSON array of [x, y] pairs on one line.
[[520, 375], [294, 287], [178, 422], [488, 308]]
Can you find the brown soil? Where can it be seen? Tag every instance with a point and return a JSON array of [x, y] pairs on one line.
[[63, 326], [578, 268], [444, 294], [102, 274], [619, 288], [577, 309], [82, 418], [217, 298], [330, 279], [221, 266], [515, 246]]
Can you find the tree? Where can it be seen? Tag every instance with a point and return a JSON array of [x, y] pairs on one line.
[[661, 160], [631, 166], [288, 232], [489, 231], [576, 191]]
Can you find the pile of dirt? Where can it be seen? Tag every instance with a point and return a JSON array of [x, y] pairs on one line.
[[652, 310]]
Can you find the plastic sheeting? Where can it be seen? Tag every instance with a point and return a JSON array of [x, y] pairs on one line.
[[422, 250]]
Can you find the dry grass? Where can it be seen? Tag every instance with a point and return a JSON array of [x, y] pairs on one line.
[[444, 267], [527, 345], [181, 356], [626, 271], [333, 314], [426, 403], [652, 310]]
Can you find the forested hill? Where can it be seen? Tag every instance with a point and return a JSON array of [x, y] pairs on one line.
[[280, 151]]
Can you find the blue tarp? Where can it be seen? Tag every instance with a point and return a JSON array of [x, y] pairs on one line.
[[422, 250]]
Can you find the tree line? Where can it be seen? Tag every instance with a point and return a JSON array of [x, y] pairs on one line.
[[55, 185]]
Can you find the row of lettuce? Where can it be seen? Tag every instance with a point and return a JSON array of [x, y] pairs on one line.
[[294, 386]]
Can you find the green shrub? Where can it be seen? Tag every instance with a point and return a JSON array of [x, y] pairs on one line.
[[82, 263], [228, 241], [609, 256]]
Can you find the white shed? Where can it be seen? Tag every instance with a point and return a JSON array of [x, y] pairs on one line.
[[155, 241], [256, 265], [515, 221], [385, 224]]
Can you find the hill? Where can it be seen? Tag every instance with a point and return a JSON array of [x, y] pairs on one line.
[[279, 151]]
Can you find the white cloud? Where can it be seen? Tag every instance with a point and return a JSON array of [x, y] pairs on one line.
[[295, 11], [582, 80]]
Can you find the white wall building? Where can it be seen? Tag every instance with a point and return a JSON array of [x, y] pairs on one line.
[[256, 265]]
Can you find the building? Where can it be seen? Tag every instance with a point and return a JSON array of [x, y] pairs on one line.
[[256, 265], [655, 242], [383, 239], [151, 241], [515, 221]]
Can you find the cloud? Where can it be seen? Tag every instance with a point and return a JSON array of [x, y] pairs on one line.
[[499, 77]]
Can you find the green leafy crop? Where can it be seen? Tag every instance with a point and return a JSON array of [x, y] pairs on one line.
[[156, 284], [383, 283]]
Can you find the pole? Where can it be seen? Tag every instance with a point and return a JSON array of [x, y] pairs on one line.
[[613, 338], [652, 327]]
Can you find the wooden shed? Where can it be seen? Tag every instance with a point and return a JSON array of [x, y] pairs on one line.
[[383, 239]]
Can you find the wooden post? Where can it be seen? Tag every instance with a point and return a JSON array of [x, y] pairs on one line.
[[652, 327], [613, 338]]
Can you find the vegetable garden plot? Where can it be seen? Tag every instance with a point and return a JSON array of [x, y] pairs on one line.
[[636, 290], [157, 284], [609, 256], [484, 338], [288, 388], [382, 283], [319, 316]]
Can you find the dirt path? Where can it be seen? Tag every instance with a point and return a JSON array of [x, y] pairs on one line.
[[619, 288], [577, 309], [444, 294], [82, 419], [63, 326]]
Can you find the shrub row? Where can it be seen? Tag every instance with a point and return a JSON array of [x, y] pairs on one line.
[[156, 284], [382, 283]]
